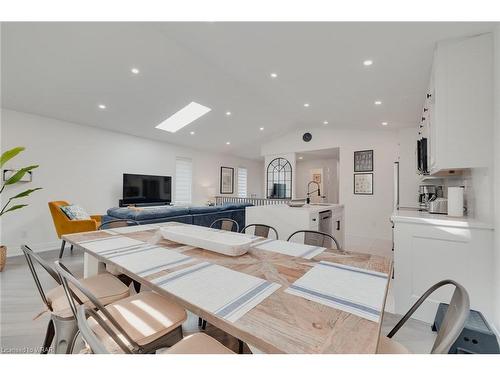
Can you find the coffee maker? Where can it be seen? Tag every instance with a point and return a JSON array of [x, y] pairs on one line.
[[428, 193]]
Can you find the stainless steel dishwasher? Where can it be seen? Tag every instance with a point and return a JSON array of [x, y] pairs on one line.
[[325, 225]]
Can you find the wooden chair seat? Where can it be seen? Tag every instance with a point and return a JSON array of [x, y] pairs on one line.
[[106, 287], [199, 343], [145, 317]]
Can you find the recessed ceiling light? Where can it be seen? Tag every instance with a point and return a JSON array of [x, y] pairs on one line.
[[306, 105], [325, 122], [135, 71], [261, 129], [367, 62], [102, 106], [192, 133], [300, 158], [385, 123], [228, 113], [273, 75], [378, 102], [183, 117], [228, 143]]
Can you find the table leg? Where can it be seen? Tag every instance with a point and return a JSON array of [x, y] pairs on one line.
[[91, 266]]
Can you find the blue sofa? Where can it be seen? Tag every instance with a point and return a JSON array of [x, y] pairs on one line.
[[197, 215]]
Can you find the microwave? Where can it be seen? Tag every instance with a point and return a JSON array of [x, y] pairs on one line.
[[422, 156]]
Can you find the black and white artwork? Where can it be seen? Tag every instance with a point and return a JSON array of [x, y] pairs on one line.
[[363, 183], [363, 161]]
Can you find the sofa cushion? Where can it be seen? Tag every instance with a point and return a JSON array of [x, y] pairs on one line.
[[234, 206], [196, 210], [147, 213]]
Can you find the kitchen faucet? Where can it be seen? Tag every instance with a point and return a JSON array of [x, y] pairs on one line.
[[308, 199]]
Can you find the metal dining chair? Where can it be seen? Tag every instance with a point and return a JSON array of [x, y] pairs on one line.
[[226, 224], [452, 326], [62, 325], [315, 238], [146, 321], [119, 223], [198, 343], [261, 230]]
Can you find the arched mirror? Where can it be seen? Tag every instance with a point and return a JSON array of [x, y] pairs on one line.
[[279, 179]]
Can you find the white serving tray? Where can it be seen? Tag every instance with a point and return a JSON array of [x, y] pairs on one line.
[[227, 243]]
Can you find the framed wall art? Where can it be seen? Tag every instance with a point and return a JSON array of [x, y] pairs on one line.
[[363, 161], [226, 180], [363, 183]]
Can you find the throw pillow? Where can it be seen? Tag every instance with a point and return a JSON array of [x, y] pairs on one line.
[[75, 212]]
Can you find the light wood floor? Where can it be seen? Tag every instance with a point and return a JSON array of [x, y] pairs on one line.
[[20, 303]]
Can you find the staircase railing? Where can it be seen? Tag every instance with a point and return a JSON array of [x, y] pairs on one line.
[[255, 201]]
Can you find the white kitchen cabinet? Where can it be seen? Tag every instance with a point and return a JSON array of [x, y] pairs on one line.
[[457, 119], [287, 220], [429, 248]]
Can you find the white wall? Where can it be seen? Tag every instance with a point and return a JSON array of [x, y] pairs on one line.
[[329, 183], [409, 180], [84, 165], [496, 149], [367, 217]]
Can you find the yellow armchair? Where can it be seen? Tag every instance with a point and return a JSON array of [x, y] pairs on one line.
[[64, 225]]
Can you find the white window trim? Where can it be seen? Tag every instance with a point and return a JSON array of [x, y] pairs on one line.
[[184, 196], [243, 193]]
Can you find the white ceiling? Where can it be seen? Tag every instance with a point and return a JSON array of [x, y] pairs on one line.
[[64, 70], [328, 153]]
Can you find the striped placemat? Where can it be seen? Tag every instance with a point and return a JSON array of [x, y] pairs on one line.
[[149, 259], [226, 293], [292, 249], [351, 289], [111, 244]]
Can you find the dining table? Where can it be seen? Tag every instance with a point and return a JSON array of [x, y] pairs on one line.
[[308, 300]]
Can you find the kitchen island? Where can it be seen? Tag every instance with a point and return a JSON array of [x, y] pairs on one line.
[[325, 217]]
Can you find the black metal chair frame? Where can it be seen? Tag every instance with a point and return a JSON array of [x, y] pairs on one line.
[[452, 325], [318, 233], [234, 222], [268, 227]]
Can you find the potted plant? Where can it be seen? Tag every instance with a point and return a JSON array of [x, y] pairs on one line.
[[10, 205]]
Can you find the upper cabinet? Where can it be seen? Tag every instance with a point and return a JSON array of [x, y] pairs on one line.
[[457, 117]]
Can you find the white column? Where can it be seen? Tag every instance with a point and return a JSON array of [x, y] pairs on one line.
[[496, 171]]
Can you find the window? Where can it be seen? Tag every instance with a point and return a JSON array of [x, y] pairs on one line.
[[279, 179], [183, 180], [242, 182]]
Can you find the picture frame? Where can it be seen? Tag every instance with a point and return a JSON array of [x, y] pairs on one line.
[[226, 180], [363, 183], [363, 161]]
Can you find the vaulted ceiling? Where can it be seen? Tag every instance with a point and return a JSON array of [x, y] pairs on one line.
[[65, 70]]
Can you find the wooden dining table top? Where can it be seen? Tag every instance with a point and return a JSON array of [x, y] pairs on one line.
[[283, 322]]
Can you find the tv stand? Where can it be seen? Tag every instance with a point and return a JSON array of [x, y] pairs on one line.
[[121, 203]]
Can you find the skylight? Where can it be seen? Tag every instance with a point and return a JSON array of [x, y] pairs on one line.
[[183, 117]]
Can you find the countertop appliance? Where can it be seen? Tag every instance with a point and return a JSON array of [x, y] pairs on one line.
[[426, 194], [438, 206]]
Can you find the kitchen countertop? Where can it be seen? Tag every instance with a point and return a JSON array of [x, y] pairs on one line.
[[307, 208], [422, 217]]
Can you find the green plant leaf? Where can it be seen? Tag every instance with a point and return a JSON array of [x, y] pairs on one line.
[[13, 208], [9, 154], [25, 193], [19, 174]]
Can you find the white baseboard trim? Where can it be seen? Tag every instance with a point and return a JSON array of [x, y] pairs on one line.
[[13, 251]]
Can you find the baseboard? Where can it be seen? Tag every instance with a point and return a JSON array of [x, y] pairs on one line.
[[13, 251]]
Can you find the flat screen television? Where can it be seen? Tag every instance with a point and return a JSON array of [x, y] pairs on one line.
[[146, 189]]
